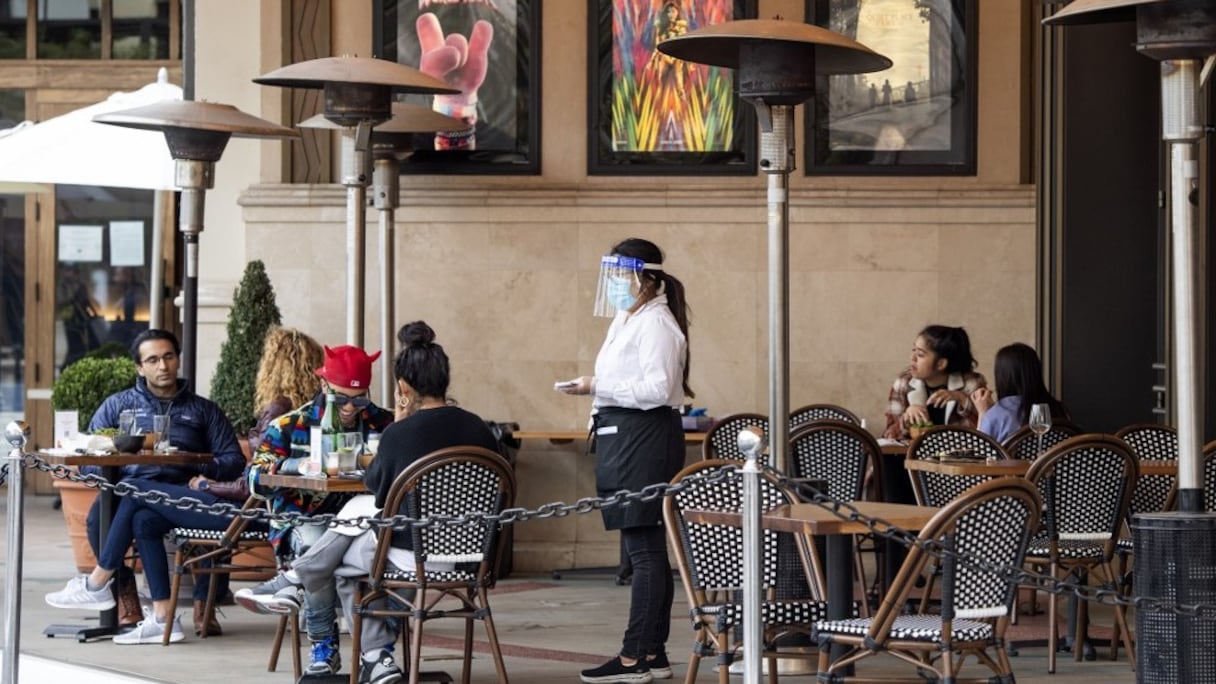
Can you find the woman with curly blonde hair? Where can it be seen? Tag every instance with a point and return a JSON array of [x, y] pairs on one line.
[[287, 376]]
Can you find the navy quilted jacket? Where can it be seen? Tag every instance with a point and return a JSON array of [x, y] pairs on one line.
[[196, 424]]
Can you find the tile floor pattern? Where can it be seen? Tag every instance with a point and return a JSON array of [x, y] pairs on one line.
[[550, 630]]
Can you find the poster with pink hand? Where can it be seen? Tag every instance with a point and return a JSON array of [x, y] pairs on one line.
[[488, 50]]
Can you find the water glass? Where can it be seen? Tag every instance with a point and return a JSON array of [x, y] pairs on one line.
[[126, 422], [161, 426], [349, 446]]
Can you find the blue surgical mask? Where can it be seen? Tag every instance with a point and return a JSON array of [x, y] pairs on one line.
[[620, 293]]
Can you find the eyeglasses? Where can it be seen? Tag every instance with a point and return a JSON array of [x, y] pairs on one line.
[[167, 358], [360, 402]]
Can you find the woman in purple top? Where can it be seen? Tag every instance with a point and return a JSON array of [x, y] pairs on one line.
[[1019, 384]]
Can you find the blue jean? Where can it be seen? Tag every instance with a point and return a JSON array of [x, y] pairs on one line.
[[652, 592], [147, 524], [320, 602]]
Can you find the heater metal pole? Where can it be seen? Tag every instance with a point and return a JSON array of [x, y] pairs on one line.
[[16, 433], [156, 278], [1181, 128], [777, 160], [385, 189], [355, 145], [194, 178]]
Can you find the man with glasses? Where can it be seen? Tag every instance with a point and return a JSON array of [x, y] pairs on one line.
[[285, 449], [196, 424]]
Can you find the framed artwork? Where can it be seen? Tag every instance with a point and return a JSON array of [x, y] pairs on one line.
[[650, 114], [491, 52], [916, 118]]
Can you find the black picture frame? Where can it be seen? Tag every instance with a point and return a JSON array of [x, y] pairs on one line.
[[624, 139], [507, 131], [864, 125]]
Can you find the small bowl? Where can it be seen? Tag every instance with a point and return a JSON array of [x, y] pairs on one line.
[[128, 444]]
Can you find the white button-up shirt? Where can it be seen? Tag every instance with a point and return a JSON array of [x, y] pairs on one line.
[[641, 364]]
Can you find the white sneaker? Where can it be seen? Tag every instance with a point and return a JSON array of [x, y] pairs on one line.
[[149, 631], [78, 595]]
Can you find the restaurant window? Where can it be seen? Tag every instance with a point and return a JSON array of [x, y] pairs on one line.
[[12, 29], [76, 29], [69, 29], [140, 29], [12, 108], [103, 259], [12, 307]]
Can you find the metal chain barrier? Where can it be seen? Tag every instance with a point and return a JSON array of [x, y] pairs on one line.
[[842, 509]]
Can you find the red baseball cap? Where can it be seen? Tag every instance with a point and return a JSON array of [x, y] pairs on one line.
[[348, 366]]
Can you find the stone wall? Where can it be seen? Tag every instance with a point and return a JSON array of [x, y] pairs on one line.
[[505, 275]]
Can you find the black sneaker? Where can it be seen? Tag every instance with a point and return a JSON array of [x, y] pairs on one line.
[[613, 672], [659, 667]]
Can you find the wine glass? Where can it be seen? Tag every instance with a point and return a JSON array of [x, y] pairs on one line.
[[1040, 423]]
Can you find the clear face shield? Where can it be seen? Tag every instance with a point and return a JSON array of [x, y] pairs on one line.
[[619, 284]]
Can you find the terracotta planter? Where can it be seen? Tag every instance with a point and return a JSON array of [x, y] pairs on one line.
[[77, 499]]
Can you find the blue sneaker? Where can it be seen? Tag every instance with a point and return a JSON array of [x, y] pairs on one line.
[[325, 658]]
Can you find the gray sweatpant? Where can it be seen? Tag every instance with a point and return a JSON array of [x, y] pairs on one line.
[[339, 559]]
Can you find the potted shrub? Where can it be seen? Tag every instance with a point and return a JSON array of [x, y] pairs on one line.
[[81, 387], [253, 313]]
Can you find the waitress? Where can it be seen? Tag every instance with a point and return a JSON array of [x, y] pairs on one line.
[[641, 378]]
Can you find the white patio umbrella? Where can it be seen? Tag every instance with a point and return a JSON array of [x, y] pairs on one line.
[[72, 149]]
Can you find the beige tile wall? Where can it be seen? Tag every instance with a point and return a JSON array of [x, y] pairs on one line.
[[505, 277]]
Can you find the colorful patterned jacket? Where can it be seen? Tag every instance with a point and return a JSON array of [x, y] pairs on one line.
[[291, 432]]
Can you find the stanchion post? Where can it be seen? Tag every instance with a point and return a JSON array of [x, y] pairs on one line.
[[16, 433], [751, 443]]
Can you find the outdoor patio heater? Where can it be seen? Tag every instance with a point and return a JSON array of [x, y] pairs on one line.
[[392, 142], [358, 95], [197, 133], [1175, 552], [776, 63]]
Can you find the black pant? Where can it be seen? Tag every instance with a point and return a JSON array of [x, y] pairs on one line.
[[652, 592]]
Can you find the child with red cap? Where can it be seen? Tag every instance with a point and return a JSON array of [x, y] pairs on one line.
[[348, 373]]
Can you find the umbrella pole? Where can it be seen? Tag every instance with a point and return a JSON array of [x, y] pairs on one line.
[[385, 189], [355, 144], [194, 178]]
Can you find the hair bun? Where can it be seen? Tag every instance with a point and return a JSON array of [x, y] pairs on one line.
[[415, 334]]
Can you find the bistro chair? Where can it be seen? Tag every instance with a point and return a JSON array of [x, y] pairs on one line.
[[451, 482], [1154, 493], [244, 547], [1023, 444], [990, 522], [708, 558], [936, 489], [812, 412], [1209, 476], [841, 454], [1086, 484], [722, 440]]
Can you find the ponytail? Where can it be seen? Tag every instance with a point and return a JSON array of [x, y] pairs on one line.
[[674, 290]]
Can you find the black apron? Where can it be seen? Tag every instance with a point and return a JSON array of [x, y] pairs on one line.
[[635, 448]]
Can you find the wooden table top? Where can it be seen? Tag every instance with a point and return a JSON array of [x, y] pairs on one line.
[[1015, 467], [809, 518], [894, 449], [1003, 468], [148, 457], [319, 484], [565, 437], [1164, 467]]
